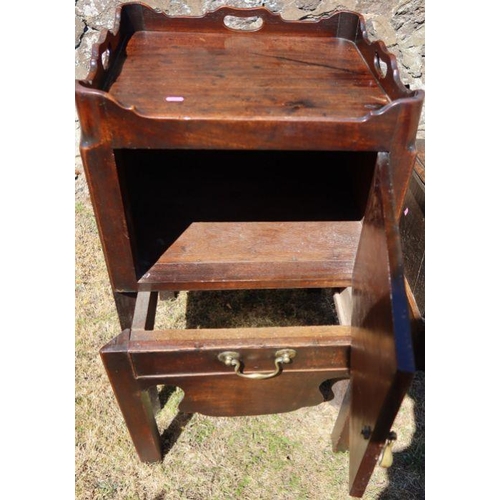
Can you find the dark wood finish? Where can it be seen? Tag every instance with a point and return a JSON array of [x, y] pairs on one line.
[[417, 330], [134, 400], [412, 238], [125, 304], [372, 132], [188, 359], [412, 228], [197, 192], [274, 80], [382, 363], [173, 190], [230, 395], [145, 311], [167, 353], [342, 73], [257, 255], [108, 203], [144, 319], [219, 336]]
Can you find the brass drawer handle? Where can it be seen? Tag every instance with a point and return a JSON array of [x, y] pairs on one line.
[[283, 356]]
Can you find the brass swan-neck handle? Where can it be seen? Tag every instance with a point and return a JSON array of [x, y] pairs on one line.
[[283, 356]]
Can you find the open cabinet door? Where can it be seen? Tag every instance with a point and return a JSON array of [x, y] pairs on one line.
[[382, 362]]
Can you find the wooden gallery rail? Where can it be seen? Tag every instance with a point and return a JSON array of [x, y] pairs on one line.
[[276, 157]]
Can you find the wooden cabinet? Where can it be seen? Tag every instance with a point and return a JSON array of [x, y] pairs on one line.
[[226, 159]]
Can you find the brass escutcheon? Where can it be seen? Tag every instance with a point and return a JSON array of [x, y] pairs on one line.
[[231, 358]]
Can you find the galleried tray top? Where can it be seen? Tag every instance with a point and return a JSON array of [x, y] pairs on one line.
[[209, 74], [198, 68]]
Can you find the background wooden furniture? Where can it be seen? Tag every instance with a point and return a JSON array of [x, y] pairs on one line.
[[412, 228], [189, 130]]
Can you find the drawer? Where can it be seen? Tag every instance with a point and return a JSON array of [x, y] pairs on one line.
[[195, 352], [244, 371]]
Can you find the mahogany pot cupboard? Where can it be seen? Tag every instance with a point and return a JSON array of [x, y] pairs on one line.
[[274, 157]]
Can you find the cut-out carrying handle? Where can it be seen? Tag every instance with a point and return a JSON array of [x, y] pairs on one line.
[[265, 16], [254, 23]]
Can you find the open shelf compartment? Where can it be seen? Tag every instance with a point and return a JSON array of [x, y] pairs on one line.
[[223, 219]]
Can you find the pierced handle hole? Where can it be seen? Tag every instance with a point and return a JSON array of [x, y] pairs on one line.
[[380, 66], [105, 58], [237, 23]]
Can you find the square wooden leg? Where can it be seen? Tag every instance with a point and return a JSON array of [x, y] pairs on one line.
[[135, 402]]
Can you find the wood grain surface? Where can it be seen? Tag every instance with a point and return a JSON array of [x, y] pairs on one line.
[[191, 84], [382, 362], [257, 255], [215, 75]]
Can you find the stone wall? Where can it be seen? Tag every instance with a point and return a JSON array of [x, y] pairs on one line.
[[399, 23]]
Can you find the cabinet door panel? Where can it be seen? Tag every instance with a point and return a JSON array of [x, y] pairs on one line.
[[382, 363]]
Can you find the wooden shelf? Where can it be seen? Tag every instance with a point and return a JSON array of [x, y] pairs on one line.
[[223, 74], [232, 255]]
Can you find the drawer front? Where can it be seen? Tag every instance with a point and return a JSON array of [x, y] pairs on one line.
[[265, 375], [198, 351], [253, 359], [241, 371]]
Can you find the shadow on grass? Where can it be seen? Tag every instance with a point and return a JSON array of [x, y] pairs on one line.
[[260, 308], [247, 308], [172, 433], [407, 473]]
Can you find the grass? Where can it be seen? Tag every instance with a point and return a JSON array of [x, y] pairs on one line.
[[279, 457]]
